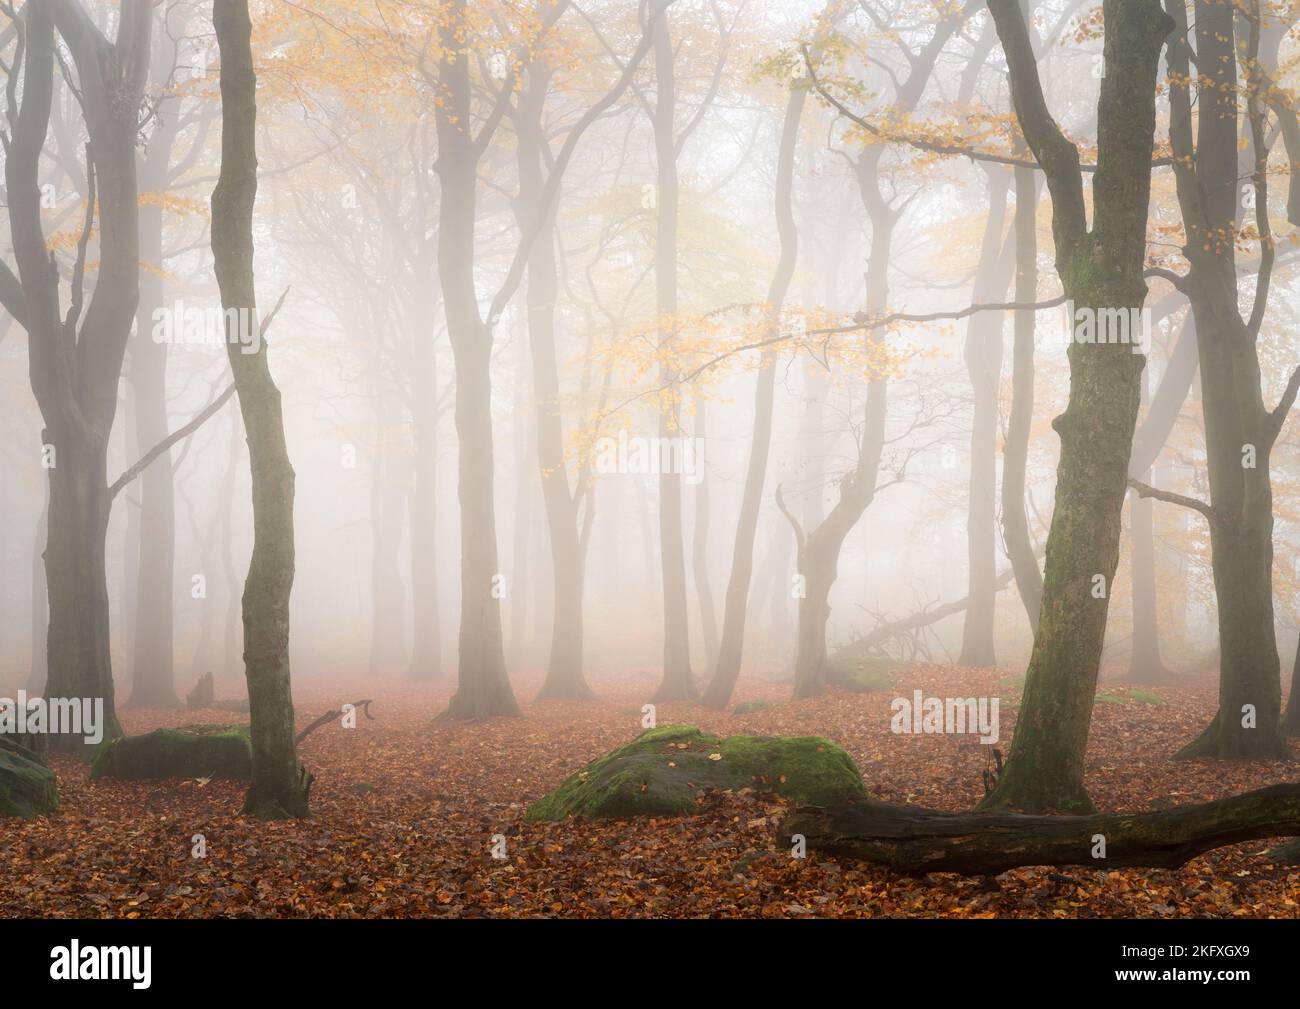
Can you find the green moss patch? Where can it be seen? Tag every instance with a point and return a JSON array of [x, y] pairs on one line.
[[664, 771], [749, 707], [195, 751], [864, 674], [27, 788]]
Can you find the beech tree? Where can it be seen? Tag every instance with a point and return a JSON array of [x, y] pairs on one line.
[[76, 356], [484, 686], [280, 784], [1101, 269], [1240, 430]]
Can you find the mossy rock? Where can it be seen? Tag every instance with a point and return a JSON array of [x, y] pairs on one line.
[[1144, 696], [749, 707], [665, 770], [27, 787], [194, 751], [864, 674], [35, 745]]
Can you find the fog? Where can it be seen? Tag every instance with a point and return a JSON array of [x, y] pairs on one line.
[[648, 458], [348, 224]]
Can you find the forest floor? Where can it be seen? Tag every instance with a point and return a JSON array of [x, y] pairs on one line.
[[405, 809]]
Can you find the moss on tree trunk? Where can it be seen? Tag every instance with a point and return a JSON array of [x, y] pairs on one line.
[[1102, 271], [280, 785]]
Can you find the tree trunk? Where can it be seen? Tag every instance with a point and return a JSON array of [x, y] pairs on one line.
[[232, 646], [564, 667], [78, 637], [818, 552], [521, 579], [1146, 664], [727, 670], [153, 681], [387, 514], [912, 839], [678, 683], [1239, 431], [426, 618], [1101, 271], [1015, 462], [1291, 722], [279, 785], [700, 540], [126, 608], [39, 671], [76, 361], [983, 354], [483, 687]]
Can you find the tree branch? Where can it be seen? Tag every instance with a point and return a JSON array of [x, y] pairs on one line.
[[1147, 491], [800, 537], [1058, 157], [206, 414], [329, 716]]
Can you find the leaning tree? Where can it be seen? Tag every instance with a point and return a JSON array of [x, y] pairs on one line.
[[280, 785], [1101, 270]]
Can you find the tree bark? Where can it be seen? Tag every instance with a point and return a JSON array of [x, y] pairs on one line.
[[1236, 422], [983, 355], [817, 552], [1015, 461], [564, 667], [1291, 721], [483, 687], [1100, 270], [153, 679], [912, 839], [39, 671], [426, 613], [727, 670], [678, 682], [702, 521], [76, 360], [280, 785], [1146, 665], [388, 498]]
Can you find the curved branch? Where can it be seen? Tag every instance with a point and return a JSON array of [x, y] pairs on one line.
[[1147, 491], [206, 414], [800, 537], [329, 716]]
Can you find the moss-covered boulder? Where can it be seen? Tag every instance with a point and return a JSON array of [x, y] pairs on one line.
[[27, 787], [665, 770], [750, 707], [194, 751]]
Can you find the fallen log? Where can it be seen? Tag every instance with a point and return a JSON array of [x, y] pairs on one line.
[[329, 716], [865, 644], [914, 840]]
